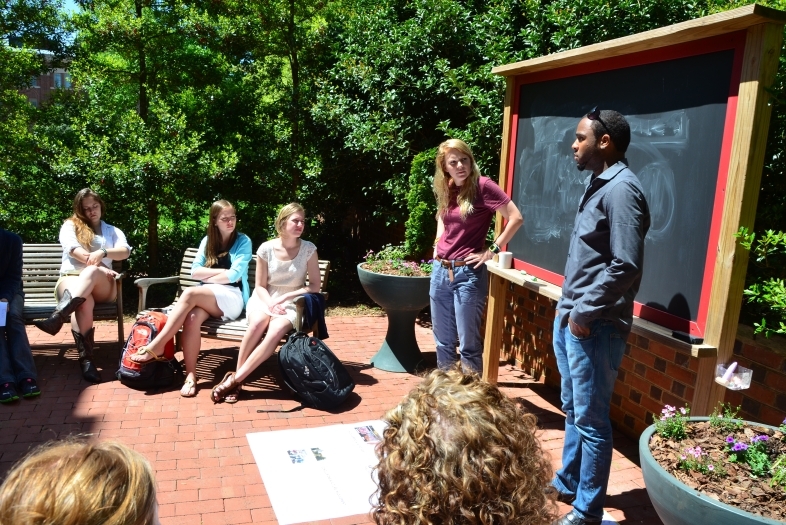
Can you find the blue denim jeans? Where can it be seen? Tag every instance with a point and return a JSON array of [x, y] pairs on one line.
[[588, 368], [16, 360], [456, 311]]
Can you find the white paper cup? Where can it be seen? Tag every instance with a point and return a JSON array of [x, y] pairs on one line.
[[505, 260]]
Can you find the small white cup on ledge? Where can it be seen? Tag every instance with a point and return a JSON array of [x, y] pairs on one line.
[[505, 260]]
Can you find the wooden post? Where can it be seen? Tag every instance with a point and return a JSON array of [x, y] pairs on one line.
[[760, 63], [495, 309]]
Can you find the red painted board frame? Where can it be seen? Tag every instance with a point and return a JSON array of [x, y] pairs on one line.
[[732, 41]]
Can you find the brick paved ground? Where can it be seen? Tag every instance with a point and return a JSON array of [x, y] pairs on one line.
[[206, 473]]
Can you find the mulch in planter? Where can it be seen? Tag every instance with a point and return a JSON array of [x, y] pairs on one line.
[[738, 488]]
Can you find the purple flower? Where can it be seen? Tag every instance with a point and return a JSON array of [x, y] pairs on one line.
[[760, 438], [683, 411], [683, 458], [739, 447], [730, 439], [711, 468]]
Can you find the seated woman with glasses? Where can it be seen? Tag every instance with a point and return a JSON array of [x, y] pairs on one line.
[[282, 265], [457, 450], [86, 276], [221, 264]]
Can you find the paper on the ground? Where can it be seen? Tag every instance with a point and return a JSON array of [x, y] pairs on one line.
[[3, 309], [319, 473], [608, 519]]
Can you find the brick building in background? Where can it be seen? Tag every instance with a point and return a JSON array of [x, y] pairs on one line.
[[43, 86]]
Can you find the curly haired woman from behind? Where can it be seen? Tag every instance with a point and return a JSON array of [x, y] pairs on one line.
[[459, 451], [79, 483]]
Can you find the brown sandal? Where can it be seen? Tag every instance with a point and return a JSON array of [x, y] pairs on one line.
[[234, 395], [224, 388]]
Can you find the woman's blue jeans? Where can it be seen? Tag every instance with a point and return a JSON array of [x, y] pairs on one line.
[[456, 311], [588, 368]]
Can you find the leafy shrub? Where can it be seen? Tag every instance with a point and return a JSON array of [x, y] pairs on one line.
[[672, 423]]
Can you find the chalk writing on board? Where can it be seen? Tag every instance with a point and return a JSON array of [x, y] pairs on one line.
[[551, 185]]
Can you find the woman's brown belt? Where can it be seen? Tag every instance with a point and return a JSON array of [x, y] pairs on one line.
[[450, 264]]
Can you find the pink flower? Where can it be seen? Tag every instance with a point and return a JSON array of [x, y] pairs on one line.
[[711, 468], [683, 411]]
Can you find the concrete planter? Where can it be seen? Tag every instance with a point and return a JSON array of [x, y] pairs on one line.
[[678, 504], [401, 298]]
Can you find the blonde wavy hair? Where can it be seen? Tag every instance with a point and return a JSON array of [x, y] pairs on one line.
[[459, 451], [84, 232], [215, 247], [443, 183], [285, 213], [79, 483]]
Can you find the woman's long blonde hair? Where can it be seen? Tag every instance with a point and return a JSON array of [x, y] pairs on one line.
[[443, 183], [215, 247], [84, 232], [459, 451], [80, 483]]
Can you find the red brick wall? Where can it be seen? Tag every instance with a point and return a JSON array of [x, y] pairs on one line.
[[765, 400], [652, 374]]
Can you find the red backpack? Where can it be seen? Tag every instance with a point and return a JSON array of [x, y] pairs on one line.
[[151, 374]]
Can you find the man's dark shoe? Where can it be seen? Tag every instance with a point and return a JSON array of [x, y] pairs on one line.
[[571, 518], [8, 393], [29, 388], [564, 497]]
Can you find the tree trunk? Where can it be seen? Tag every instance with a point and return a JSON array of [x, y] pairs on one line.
[[295, 110], [152, 236]]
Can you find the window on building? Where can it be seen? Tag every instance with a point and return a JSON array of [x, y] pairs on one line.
[[67, 81], [34, 82], [58, 80], [34, 102]]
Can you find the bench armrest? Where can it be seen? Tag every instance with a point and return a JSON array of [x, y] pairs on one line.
[[146, 282]]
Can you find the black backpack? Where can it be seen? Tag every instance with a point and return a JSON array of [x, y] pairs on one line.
[[313, 372], [152, 374]]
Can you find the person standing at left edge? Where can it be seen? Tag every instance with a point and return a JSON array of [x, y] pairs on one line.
[[595, 312], [17, 368]]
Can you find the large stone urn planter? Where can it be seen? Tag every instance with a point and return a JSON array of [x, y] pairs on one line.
[[401, 298], [678, 504]]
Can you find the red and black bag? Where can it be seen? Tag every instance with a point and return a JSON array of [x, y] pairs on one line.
[[151, 374]]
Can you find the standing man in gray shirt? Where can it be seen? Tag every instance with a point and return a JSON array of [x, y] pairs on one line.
[[595, 312]]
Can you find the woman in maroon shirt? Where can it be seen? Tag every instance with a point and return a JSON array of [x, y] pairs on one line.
[[466, 203]]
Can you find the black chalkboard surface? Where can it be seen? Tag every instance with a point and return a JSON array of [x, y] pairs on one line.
[[677, 110]]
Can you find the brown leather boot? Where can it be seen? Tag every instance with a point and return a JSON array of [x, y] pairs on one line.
[[84, 345], [62, 312]]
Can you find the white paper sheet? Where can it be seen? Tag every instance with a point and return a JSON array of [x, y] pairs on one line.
[[3, 310], [319, 473]]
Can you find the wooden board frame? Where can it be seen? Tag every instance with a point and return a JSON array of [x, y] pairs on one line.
[[763, 29]]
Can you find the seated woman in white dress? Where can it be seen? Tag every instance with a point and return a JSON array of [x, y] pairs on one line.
[[282, 264], [222, 265], [86, 276]]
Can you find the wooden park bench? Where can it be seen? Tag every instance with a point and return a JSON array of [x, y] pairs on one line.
[[215, 328], [40, 272]]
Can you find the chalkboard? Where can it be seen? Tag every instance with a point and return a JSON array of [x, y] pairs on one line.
[[677, 110]]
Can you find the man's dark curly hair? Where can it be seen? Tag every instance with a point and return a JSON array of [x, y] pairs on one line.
[[459, 451], [613, 123]]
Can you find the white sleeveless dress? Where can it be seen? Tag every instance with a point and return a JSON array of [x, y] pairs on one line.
[[282, 277]]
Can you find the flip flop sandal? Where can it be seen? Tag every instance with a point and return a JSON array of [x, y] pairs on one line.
[[234, 395], [145, 350], [221, 390], [191, 391]]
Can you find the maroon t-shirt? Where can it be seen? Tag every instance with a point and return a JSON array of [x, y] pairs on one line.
[[461, 238]]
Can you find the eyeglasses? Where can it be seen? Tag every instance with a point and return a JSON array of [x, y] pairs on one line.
[[231, 218], [594, 114]]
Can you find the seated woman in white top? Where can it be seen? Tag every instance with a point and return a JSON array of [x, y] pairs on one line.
[[282, 264], [221, 264], [86, 276]]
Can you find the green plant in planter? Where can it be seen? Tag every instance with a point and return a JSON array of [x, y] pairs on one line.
[[673, 423], [391, 260], [754, 454], [724, 418]]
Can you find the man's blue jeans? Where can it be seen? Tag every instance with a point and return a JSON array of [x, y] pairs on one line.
[[16, 360], [589, 369], [456, 310]]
